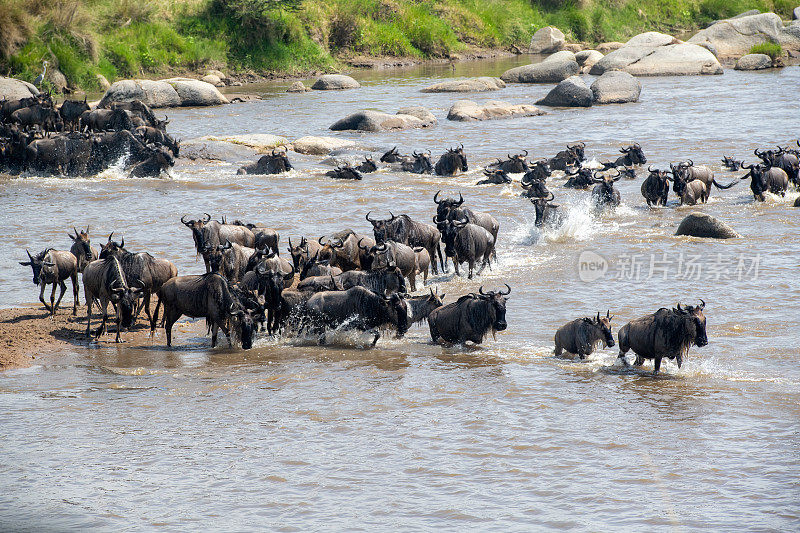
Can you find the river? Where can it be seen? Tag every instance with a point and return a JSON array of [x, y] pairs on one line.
[[411, 435]]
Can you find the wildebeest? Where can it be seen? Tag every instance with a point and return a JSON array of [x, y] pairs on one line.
[[205, 296], [655, 187], [580, 178], [232, 259], [367, 166], [470, 317], [343, 250], [423, 259], [494, 177], [573, 155], [109, 147], [303, 252], [358, 308], [766, 179], [515, 164], [632, 155], [535, 188], [159, 160], [389, 254], [692, 192], [316, 267], [53, 267], [604, 193], [210, 233], [106, 120], [783, 159], [666, 333], [420, 307], [262, 235], [344, 172], [268, 281], [683, 177], [151, 135], [731, 163], [274, 163], [539, 171], [82, 248], [42, 115], [451, 162], [627, 172], [581, 336], [393, 156], [320, 283], [410, 232], [142, 111], [71, 111], [69, 155], [381, 281], [547, 213], [467, 242], [421, 164], [104, 280]]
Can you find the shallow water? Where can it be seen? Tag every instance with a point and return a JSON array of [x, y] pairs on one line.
[[415, 436]]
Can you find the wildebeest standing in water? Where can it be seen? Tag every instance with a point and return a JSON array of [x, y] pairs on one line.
[[604, 193], [367, 166], [547, 213], [666, 333], [274, 163], [421, 163], [53, 267], [581, 336], [470, 318], [655, 188], [766, 179], [104, 281], [451, 162], [466, 242]]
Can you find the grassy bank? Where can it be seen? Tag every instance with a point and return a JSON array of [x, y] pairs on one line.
[[129, 38]]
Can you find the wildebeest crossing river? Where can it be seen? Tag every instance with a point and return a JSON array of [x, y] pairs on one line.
[[412, 435]]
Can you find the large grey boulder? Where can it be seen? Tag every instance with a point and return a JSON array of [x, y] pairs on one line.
[[733, 38], [420, 112], [57, 79], [213, 79], [702, 225], [586, 59], [545, 72], [320, 145], [563, 55], [658, 54], [102, 82], [571, 92], [468, 111], [547, 40], [196, 92], [616, 87], [369, 120], [14, 89], [153, 93], [297, 87], [471, 85], [330, 82], [753, 62]]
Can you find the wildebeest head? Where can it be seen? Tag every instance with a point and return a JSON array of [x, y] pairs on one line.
[[580, 178], [299, 253], [452, 161], [758, 179], [535, 188], [344, 172], [37, 264], [124, 299], [367, 166], [635, 154], [539, 170], [381, 228], [731, 163], [496, 176], [514, 164], [197, 229], [578, 149], [444, 205], [695, 322], [279, 162], [81, 243], [497, 309], [392, 156], [627, 172], [111, 248], [606, 183], [421, 163], [397, 309], [449, 231], [542, 205], [243, 325], [767, 156], [679, 177], [604, 325], [422, 305]]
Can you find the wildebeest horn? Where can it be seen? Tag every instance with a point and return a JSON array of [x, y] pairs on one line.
[[429, 152], [509, 156], [526, 153], [369, 219], [87, 229], [122, 243], [391, 215], [436, 219], [337, 243], [184, 222], [480, 290], [650, 168], [320, 240], [636, 145], [552, 197], [365, 248], [691, 163], [414, 153], [462, 146], [618, 176], [436, 197], [29, 254], [623, 150], [756, 153], [290, 244], [76, 231], [702, 304], [460, 199], [608, 314], [744, 165], [109, 236], [381, 247], [680, 309], [208, 218], [508, 290], [598, 317]]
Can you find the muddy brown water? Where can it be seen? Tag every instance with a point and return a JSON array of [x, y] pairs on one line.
[[409, 435]]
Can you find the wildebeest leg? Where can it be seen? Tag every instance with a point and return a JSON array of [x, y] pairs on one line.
[[75, 301], [558, 349], [639, 361], [455, 266], [377, 336], [170, 317], [146, 305], [63, 287], [119, 321], [88, 316], [471, 268], [42, 286], [214, 329], [442, 259], [154, 318], [412, 278], [656, 366]]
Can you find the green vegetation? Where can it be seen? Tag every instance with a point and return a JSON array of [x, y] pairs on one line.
[[773, 50], [125, 38]]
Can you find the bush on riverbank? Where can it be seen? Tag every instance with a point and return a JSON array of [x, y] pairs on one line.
[[773, 50], [127, 38]]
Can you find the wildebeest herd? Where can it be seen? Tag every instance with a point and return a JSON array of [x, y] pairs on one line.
[[38, 136]]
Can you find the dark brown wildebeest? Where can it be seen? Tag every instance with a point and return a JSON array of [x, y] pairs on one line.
[[106, 120], [655, 187], [420, 307], [343, 250], [494, 177], [466, 242], [303, 252], [206, 296], [151, 135], [409, 232], [105, 281], [666, 333], [357, 308], [159, 160], [451, 162], [579, 177], [420, 164], [515, 164], [393, 156], [140, 110], [731, 163], [344, 172], [53, 267], [632, 155], [604, 193], [547, 213], [82, 248], [367, 166], [573, 155], [470, 318], [274, 163], [71, 111], [766, 179], [540, 170], [686, 172], [316, 267], [535, 188], [383, 281], [320, 283], [583, 335], [207, 232]]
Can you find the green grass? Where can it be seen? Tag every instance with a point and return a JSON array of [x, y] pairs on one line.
[[773, 50], [127, 38]]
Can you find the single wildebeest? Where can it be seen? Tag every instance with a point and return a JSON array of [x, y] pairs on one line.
[[303, 252], [343, 250], [604, 193], [467, 242], [470, 318], [104, 280], [573, 155], [692, 192], [210, 233], [82, 248], [251, 303], [632, 155], [274, 163], [393, 156], [232, 260], [206, 296], [315, 267], [367, 166], [539, 171], [582, 336], [345, 172], [391, 254], [420, 307], [53, 267], [320, 283], [71, 111], [151, 135], [731, 163], [381, 281], [515, 164], [628, 173], [451, 162], [423, 260], [139, 109], [107, 119], [784, 159], [494, 177], [535, 188], [159, 160], [410, 232], [547, 213], [655, 187], [358, 308], [666, 333], [766, 179], [421, 164], [687, 172], [263, 236], [580, 178]]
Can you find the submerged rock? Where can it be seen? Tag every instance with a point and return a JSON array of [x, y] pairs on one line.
[[545, 72], [616, 87], [754, 62], [467, 110], [703, 225], [472, 85], [571, 92], [297, 87], [330, 82]]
